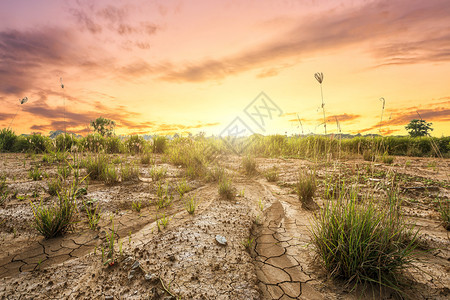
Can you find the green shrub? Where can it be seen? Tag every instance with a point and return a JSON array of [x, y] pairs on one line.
[[369, 155], [7, 140], [65, 142], [93, 142], [159, 144], [215, 174], [165, 196], [387, 159], [362, 243], [113, 144], [135, 144]]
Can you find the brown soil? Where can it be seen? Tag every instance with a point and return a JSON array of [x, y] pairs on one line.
[[185, 261]]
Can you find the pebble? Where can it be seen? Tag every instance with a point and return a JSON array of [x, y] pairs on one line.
[[109, 297], [131, 275], [221, 240], [135, 265]]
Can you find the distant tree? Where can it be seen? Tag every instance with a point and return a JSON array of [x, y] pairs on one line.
[[103, 126], [418, 128]]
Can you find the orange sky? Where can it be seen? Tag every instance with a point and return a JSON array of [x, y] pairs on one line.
[[189, 66]]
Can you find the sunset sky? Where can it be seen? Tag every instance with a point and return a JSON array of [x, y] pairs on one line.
[[188, 66]]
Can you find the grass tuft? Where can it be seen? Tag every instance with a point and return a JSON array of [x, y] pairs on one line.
[[362, 244], [249, 165], [226, 190]]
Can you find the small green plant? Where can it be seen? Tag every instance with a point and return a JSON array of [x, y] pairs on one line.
[[110, 240], [249, 165], [260, 204], [165, 196], [117, 160], [157, 173], [136, 205], [129, 172], [257, 220], [242, 193], [95, 166], [183, 187], [163, 221], [248, 243], [272, 174], [93, 214], [35, 174], [225, 188], [190, 204], [444, 210]]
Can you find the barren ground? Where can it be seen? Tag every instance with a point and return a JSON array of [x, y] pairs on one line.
[[185, 258]]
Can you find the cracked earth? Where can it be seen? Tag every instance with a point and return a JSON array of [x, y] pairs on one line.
[[184, 260]]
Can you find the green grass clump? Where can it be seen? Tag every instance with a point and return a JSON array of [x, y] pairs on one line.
[[96, 165], [129, 172], [93, 213], [183, 187], [110, 175], [444, 210], [64, 172], [369, 155], [3, 190], [55, 220], [190, 204], [306, 187], [272, 174], [387, 159], [35, 173], [249, 165], [136, 205], [54, 187], [159, 144], [215, 174], [147, 159], [226, 188], [362, 243], [158, 173], [164, 196]]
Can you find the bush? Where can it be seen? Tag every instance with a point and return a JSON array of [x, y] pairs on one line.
[[362, 243], [306, 187], [93, 142], [135, 144], [249, 165], [113, 144], [159, 144], [7, 140], [146, 159], [272, 174], [65, 142]]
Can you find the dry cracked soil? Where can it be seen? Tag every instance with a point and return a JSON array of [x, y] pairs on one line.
[[267, 255]]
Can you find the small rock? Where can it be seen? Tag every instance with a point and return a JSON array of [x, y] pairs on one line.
[[135, 265], [109, 297], [131, 274], [221, 240], [150, 277]]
